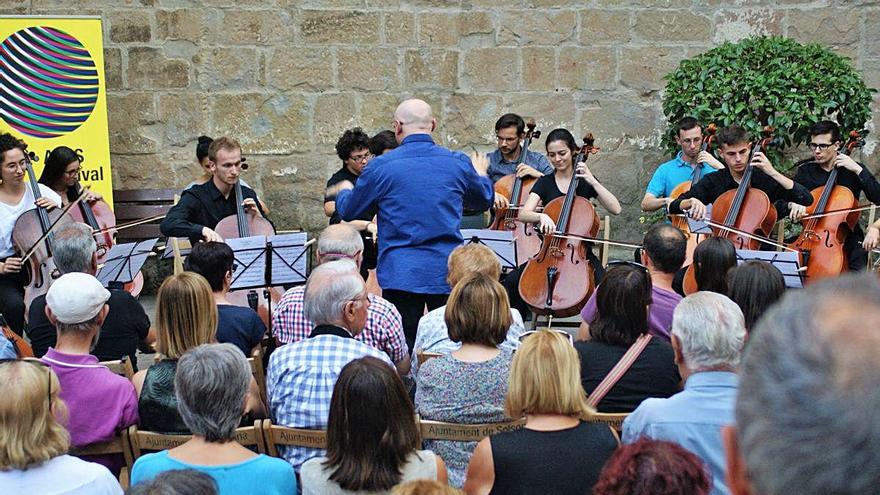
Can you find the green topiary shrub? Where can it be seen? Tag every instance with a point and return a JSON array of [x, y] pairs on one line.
[[763, 81]]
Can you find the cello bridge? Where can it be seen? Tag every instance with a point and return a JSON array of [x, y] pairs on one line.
[[556, 252], [510, 224]]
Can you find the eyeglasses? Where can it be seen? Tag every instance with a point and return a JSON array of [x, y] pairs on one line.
[[523, 336], [365, 297], [507, 140], [820, 146], [39, 364], [361, 158], [71, 172]]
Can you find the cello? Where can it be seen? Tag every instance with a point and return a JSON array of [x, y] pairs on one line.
[[559, 279], [32, 237], [680, 222], [516, 189], [821, 241], [246, 224]]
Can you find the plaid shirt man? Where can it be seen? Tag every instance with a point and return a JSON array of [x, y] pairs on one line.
[[300, 381], [383, 331]]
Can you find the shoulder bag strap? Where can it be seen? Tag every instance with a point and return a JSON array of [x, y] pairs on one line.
[[620, 369]]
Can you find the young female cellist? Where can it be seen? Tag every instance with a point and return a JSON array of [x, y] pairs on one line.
[[15, 198], [61, 172]]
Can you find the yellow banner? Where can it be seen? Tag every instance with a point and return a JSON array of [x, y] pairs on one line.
[[52, 91]]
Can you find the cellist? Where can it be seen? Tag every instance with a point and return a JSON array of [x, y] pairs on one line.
[[690, 164], [15, 198], [733, 142], [202, 206], [825, 143], [508, 158], [61, 173]]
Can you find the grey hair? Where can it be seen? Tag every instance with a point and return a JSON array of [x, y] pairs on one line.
[[338, 240], [73, 248], [211, 384], [176, 482], [85, 326], [711, 330], [808, 396], [330, 286]]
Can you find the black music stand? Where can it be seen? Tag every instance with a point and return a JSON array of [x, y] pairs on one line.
[[286, 264], [700, 226], [123, 263], [501, 242], [788, 262]]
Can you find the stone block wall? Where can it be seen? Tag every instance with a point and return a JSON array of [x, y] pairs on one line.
[[287, 77]]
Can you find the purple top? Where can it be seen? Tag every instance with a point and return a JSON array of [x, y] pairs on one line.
[[659, 315], [99, 402]]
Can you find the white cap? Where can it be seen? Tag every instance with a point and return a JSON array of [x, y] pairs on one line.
[[76, 298]]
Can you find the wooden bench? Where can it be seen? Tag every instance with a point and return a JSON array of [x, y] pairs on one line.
[[137, 204]]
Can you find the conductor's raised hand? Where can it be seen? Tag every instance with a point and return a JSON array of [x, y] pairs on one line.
[[481, 163]]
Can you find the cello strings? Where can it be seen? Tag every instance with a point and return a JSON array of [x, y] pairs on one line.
[[48, 232]]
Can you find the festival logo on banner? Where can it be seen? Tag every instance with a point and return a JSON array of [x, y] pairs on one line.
[[52, 91]]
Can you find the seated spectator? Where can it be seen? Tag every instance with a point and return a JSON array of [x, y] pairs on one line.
[[236, 325], [662, 253], [372, 436], [653, 467], [432, 334], [708, 335], [7, 348], [754, 286], [211, 385], [186, 317], [176, 482], [383, 330], [712, 259], [469, 385], [806, 412], [100, 402], [34, 445], [301, 375], [622, 302], [545, 388], [126, 326]]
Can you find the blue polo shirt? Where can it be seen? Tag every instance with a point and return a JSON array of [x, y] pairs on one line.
[[672, 173], [419, 189], [499, 167]]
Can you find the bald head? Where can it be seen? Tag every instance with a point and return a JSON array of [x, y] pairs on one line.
[[413, 116], [340, 241]]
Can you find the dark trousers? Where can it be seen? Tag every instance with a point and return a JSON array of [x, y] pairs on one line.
[[411, 306], [12, 301]]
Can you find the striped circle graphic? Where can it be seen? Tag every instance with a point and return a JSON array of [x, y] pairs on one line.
[[48, 82]]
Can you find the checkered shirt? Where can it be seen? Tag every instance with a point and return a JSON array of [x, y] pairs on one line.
[[383, 331], [300, 380]]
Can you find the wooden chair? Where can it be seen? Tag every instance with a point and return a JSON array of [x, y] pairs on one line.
[[121, 367], [605, 229], [276, 435], [458, 432], [151, 441], [118, 446], [424, 356], [256, 362], [137, 204]]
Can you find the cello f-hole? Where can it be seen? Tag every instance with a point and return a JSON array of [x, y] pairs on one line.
[[828, 243]]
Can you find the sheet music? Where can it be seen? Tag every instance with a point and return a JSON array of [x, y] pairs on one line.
[[250, 261], [788, 262], [499, 241], [289, 258], [124, 261], [700, 226]]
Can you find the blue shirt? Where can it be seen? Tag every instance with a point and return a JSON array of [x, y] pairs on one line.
[[419, 189], [691, 418], [672, 173], [7, 348], [239, 326], [259, 475], [499, 167]]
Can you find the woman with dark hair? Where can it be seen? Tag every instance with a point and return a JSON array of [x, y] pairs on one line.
[[372, 436], [622, 302], [712, 259], [754, 286], [653, 467], [382, 142], [61, 174]]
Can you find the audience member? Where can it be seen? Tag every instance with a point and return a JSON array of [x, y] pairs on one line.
[[754, 286], [432, 334], [425, 487], [33, 444], [301, 375], [468, 385], [211, 386], [708, 335], [383, 142], [176, 482], [383, 330], [100, 402], [663, 252], [808, 398], [7, 348], [622, 302], [653, 467], [236, 325], [126, 325], [186, 317], [372, 436], [545, 388], [712, 259]]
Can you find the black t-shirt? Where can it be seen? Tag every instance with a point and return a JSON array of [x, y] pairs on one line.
[[653, 374], [345, 174], [126, 324], [711, 186], [239, 326], [546, 188]]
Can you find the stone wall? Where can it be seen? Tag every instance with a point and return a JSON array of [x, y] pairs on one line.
[[287, 77]]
